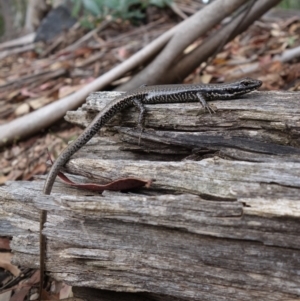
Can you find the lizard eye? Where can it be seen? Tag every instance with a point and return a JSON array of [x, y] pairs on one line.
[[246, 83]]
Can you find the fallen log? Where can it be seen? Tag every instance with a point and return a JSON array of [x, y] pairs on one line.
[[221, 221]]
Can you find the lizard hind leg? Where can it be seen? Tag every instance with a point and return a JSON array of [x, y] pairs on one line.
[[140, 125], [204, 103]]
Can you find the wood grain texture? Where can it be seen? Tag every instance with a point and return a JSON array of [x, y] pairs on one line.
[[221, 221]]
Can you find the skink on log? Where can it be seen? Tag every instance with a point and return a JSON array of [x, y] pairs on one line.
[[139, 97]]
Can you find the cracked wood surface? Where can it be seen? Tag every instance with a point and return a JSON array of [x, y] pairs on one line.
[[221, 221]]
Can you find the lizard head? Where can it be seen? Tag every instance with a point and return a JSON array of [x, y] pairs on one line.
[[240, 87], [247, 85]]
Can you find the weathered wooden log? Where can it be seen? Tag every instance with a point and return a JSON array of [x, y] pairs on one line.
[[220, 222]]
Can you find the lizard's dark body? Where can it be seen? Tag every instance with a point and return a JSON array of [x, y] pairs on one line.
[[145, 95]]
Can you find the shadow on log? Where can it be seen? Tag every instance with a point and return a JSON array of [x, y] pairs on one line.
[[221, 221]]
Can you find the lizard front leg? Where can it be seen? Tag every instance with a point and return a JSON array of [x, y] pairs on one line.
[[204, 103]]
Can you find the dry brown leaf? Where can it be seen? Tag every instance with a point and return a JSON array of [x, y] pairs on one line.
[[66, 90], [3, 179], [5, 258], [24, 286], [12, 94], [65, 291], [14, 175], [206, 78], [82, 51], [275, 67], [56, 66], [5, 296], [22, 109], [40, 102], [47, 85], [39, 169], [4, 243], [5, 110], [27, 93]]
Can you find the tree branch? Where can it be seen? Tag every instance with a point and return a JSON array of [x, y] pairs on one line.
[[204, 51], [191, 29]]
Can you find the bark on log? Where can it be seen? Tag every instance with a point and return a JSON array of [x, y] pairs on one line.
[[221, 221]]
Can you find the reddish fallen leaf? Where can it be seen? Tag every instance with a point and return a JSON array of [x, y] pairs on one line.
[[117, 185]]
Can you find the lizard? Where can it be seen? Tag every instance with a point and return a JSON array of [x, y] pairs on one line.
[[181, 93]]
